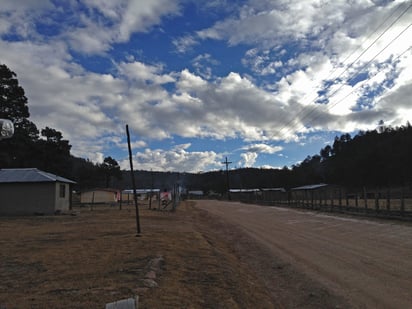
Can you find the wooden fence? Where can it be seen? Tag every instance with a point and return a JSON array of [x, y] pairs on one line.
[[388, 202]]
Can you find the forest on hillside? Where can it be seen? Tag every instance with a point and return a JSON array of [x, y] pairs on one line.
[[379, 157]]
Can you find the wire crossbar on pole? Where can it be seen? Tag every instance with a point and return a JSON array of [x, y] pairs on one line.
[[227, 177]]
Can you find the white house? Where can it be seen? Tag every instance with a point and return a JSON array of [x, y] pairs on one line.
[[29, 191], [100, 195]]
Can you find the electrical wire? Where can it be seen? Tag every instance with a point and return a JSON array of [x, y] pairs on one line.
[[350, 65], [369, 79], [356, 73]]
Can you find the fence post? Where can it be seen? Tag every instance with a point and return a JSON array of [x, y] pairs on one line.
[[376, 201], [356, 201], [331, 199], [347, 201], [321, 195], [312, 200], [365, 198], [388, 199], [402, 202]]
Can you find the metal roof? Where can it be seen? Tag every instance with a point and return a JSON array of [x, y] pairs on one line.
[[274, 189], [311, 187], [140, 191], [25, 175], [244, 190], [113, 190], [195, 192], [256, 190]]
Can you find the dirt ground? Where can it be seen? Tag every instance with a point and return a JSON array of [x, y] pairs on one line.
[[184, 259], [365, 260]]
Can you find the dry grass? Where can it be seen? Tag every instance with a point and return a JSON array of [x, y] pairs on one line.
[[94, 258]]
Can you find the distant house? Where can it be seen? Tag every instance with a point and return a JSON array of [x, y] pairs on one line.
[[195, 194], [315, 194], [274, 194], [304, 192], [142, 194], [245, 194], [29, 191], [100, 196]]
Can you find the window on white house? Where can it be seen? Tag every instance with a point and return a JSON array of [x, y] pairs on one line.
[[62, 191]]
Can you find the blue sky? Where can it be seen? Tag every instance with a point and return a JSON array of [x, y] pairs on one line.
[[264, 83]]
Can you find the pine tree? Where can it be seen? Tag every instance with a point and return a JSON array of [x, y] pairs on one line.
[[17, 151]]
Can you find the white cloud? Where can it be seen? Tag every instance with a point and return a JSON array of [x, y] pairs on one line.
[[60, 93], [248, 159], [263, 148], [176, 159], [272, 23], [203, 65], [277, 101], [138, 71], [261, 62], [139, 15], [324, 34], [252, 152], [185, 43], [91, 26], [17, 17]]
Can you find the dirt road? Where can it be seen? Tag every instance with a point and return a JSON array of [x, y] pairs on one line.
[[367, 262]]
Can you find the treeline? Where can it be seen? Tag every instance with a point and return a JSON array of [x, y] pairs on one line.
[[378, 158], [374, 158]]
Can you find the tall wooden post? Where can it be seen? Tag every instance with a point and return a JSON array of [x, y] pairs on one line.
[[133, 182], [151, 189]]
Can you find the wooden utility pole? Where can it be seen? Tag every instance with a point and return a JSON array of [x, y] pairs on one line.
[[133, 182], [151, 189], [227, 177]]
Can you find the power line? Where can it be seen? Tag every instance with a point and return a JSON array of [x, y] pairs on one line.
[[353, 75], [369, 36], [349, 56], [336, 103], [361, 69], [374, 41]]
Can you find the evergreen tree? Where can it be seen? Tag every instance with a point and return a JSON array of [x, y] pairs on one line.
[[17, 151], [110, 169], [54, 153]]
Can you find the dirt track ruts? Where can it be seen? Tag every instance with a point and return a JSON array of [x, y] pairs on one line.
[[368, 262]]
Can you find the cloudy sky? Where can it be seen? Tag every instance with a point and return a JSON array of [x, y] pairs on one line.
[[264, 83]]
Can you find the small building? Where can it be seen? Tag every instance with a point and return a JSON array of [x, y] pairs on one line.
[[195, 194], [315, 194], [308, 191], [274, 194], [100, 196], [142, 194], [30, 191], [245, 194]]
